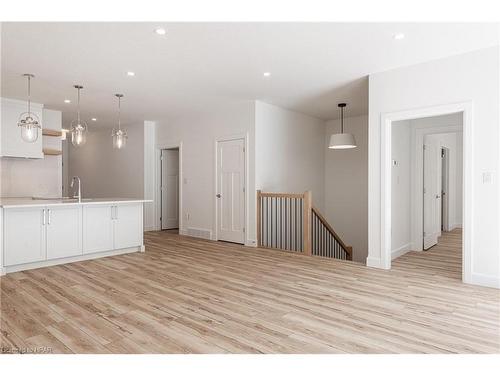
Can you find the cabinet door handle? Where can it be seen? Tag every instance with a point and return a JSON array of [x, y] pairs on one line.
[[43, 217], [112, 216], [49, 216], [116, 212]]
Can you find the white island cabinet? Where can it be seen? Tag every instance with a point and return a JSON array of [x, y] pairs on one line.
[[24, 235], [64, 231], [97, 228], [106, 227], [37, 233]]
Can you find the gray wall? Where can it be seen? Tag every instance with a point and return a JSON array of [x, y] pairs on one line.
[[346, 185], [106, 172]]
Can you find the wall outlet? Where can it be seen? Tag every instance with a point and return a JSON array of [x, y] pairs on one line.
[[487, 177]]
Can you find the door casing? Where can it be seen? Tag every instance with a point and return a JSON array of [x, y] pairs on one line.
[[157, 183], [445, 185], [167, 223], [387, 119]]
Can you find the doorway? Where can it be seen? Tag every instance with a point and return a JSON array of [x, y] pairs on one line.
[[460, 238], [230, 190], [169, 188]]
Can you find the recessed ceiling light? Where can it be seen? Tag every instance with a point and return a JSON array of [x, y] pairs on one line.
[[93, 119], [160, 31], [267, 74], [67, 101], [130, 74], [399, 36]]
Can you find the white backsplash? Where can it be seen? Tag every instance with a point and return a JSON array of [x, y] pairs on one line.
[[30, 177]]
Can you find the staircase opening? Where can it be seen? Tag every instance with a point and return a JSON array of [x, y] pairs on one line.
[[289, 222]]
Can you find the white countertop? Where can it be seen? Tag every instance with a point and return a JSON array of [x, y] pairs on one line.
[[30, 202]]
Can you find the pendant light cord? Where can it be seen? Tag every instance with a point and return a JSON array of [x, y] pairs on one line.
[[78, 113], [119, 112], [29, 95], [342, 119]]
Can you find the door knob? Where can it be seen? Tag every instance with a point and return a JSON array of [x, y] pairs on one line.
[[437, 196], [218, 195]]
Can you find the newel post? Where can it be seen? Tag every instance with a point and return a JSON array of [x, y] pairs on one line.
[[306, 223], [259, 214]]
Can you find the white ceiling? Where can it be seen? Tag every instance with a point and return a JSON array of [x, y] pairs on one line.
[[314, 65]]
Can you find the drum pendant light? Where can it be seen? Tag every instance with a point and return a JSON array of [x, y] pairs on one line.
[[342, 140]]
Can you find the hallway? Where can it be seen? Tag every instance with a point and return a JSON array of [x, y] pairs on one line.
[[442, 260]]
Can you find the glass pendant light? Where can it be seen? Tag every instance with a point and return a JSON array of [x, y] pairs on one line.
[[342, 140], [28, 121], [78, 127], [119, 135]]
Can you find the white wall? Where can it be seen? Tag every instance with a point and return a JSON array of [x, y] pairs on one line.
[[149, 174], [469, 77], [65, 164], [289, 152], [198, 133], [401, 240], [346, 185], [106, 172], [35, 177]]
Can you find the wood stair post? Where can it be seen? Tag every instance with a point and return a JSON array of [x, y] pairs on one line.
[[259, 214], [306, 223]]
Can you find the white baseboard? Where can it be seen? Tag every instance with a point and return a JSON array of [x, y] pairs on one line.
[[374, 262], [455, 226], [78, 258], [400, 250], [485, 280], [251, 242], [149, 228]]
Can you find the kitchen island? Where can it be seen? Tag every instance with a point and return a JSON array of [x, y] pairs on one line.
[[44, 232]]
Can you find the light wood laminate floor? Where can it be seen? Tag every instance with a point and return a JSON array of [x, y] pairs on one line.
[[192, 296]]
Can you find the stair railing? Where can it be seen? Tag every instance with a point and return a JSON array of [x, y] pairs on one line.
[[289, 222]]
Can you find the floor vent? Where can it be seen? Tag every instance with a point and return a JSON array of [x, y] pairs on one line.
[[200, 233]]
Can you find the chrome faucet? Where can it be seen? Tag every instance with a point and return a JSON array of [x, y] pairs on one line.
[[79, 195]]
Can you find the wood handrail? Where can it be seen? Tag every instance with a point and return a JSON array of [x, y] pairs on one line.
[[280, 195], [347, 249]]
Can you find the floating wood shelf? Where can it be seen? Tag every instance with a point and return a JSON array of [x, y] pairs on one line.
[[51, 151], [51, 132]]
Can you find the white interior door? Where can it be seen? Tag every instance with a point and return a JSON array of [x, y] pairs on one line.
[[231, 190], [445, 174], [432, 193], [170, 189]]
